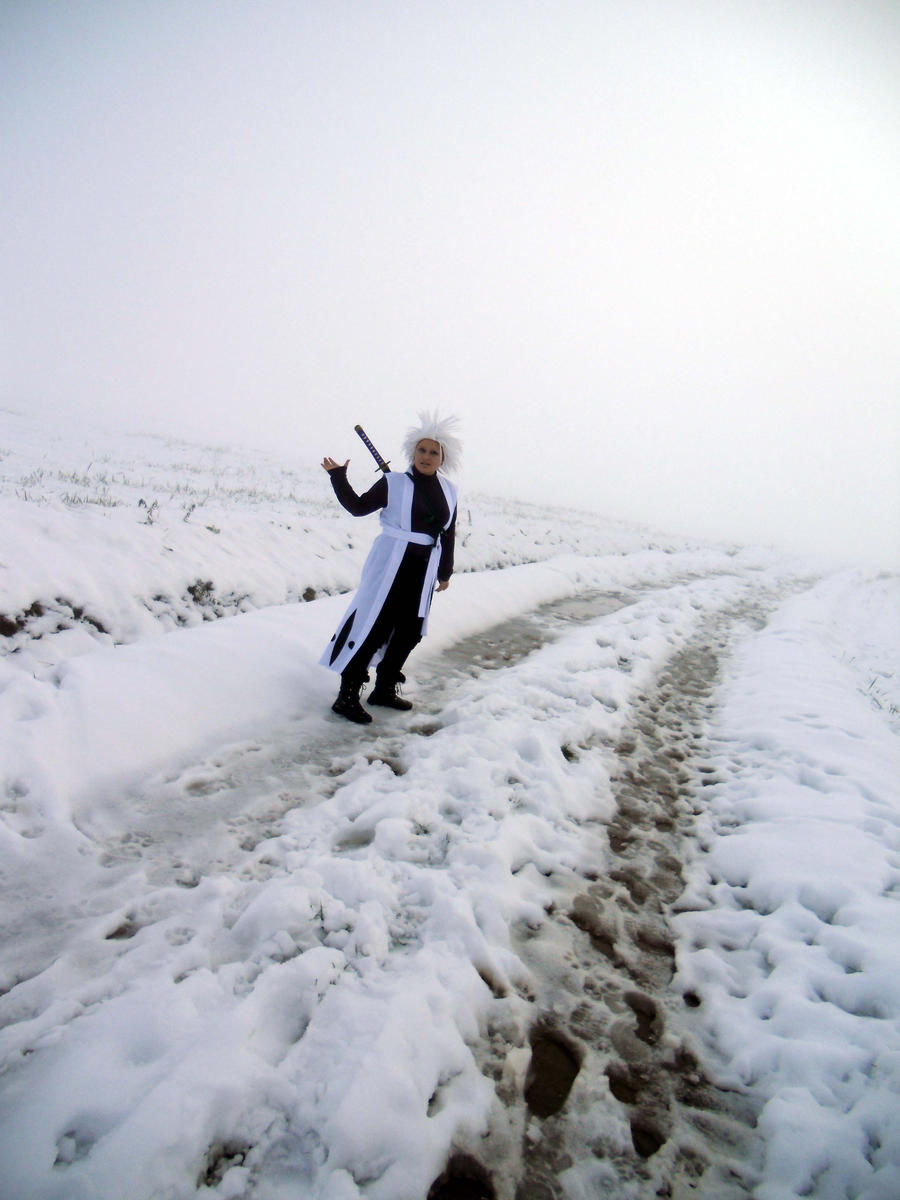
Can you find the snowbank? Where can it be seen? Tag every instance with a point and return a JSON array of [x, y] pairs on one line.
[[791, 938]]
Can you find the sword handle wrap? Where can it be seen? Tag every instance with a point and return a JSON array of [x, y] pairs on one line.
[[382, 465]]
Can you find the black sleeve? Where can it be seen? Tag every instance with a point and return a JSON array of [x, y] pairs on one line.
[[448, 547], [359, 506]]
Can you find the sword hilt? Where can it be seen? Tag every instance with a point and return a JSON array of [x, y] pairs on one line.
[[382, 464]]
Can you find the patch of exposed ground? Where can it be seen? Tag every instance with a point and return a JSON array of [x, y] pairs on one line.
[[607, 1072]]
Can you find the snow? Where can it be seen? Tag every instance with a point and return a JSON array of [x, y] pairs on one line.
[[795, 942], [252, 950]]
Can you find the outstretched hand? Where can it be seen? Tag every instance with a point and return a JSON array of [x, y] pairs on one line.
[[330, 465]]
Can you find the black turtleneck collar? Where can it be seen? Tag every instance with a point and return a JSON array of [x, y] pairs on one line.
[[418, 477]]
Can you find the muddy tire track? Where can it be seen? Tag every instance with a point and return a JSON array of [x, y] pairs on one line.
[[606, 1070], [688, 1137]]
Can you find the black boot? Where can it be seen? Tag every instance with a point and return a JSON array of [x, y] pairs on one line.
[[347, 703], [387, 693]]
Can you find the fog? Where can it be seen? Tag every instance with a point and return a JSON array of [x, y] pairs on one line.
[[648, 252]]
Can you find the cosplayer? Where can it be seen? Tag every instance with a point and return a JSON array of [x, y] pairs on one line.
[[411, 557]]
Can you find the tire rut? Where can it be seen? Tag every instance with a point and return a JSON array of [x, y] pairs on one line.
[[610, 1072]]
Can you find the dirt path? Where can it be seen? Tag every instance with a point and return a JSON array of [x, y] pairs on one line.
[[606, 1011]]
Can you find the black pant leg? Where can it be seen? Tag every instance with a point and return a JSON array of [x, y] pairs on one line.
[[403, 641], [398, 626]]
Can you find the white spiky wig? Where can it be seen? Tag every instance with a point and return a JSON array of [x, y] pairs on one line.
[[441, 430]]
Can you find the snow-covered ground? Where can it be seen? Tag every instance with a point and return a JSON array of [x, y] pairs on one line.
[[613, 910]]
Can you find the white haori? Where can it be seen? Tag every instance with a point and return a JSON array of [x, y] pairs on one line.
[[381, 566]]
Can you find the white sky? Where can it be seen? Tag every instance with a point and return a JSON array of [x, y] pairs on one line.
[[649, 251]]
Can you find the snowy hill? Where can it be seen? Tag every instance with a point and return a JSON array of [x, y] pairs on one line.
[[116, 539], [612, 911]]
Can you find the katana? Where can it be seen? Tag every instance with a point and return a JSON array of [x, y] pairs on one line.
[[382, 465]]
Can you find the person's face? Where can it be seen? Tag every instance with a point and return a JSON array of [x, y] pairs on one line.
[[427, 457]]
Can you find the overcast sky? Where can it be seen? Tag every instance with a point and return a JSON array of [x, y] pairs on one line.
[[647, 250]]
